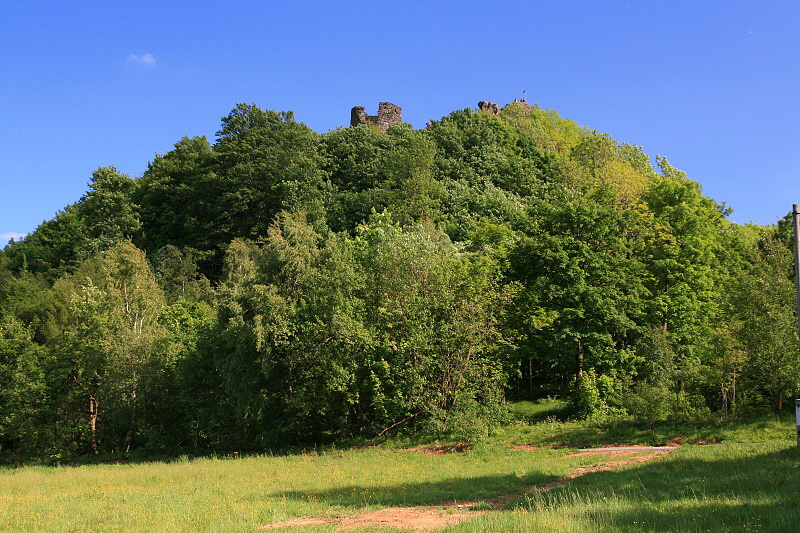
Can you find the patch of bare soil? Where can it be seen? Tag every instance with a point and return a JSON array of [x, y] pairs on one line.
[[300, 522], [421, 518], [426, 518], [433, 517], [609, 453], [613, 465], [633, 455]]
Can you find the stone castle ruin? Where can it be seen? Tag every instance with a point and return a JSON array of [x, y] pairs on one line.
[[388, 114]]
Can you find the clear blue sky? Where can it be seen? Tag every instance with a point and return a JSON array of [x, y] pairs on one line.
[[712, 85]]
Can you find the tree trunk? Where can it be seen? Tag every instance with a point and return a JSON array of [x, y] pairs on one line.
[[724, 391], [93, 409], [530, 379], [129, 434], [579, 360]]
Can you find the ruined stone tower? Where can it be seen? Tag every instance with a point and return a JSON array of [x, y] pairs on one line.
[[388, 114]]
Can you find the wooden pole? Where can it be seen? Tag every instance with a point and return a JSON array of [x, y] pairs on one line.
[[796, 226], [797, 419]]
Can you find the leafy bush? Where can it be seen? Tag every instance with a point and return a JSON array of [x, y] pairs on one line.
[[691, 409], [470, 420], [648, 404], [586, 396]]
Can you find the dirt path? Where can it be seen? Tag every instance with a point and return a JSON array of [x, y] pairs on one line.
[[432, 517]]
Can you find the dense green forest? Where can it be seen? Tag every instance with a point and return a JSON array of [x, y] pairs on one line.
[[283, 287]]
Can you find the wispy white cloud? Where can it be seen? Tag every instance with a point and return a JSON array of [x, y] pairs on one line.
[[146, 60], [5, 237]]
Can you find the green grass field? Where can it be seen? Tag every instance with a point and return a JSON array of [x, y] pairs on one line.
[[753, 486]]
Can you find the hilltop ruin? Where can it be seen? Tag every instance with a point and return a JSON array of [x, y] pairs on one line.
[[388, 115]]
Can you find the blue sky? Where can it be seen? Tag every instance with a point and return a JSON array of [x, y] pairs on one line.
[[712, 85]]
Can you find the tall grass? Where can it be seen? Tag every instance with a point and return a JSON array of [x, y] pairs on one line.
[[699, 488], [730, 487], [560, 430], [241, 494]]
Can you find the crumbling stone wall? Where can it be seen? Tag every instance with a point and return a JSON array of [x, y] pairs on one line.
[[388, 114]]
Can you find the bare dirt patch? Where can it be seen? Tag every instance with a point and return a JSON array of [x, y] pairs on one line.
[[630, 454], [300, 522], [433, 517], [427, 518], [613, 465], [421, 518], [633, 455]]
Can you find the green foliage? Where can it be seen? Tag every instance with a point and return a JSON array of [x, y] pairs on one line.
[[656, 358], [682, 264], [203, 196], [105, 215], [108, 209], [178, 196], [24, 391], [178, 274], [54, 248], [583, 295], [546, 409], [282, 287], [649, 404], [470, 420], [763, 328], [353, 335], [551, 132], [267, 162], [587, 401], [103, 349]]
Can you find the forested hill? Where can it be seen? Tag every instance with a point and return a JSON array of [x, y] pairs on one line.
[[281, 286]]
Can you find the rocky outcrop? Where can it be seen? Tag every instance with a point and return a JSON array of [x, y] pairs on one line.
[[489, 107]]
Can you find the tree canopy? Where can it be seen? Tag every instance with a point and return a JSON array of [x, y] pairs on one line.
[[278, 286]]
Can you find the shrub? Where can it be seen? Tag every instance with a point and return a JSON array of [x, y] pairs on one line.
[[586, 396], [470, 420], [648, 404]]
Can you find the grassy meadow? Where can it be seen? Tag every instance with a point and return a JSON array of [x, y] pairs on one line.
[[749, 480]]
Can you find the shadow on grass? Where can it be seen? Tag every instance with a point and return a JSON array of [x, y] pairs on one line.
[[699, 488], [424, 493], [703, 488], [624, 431]]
